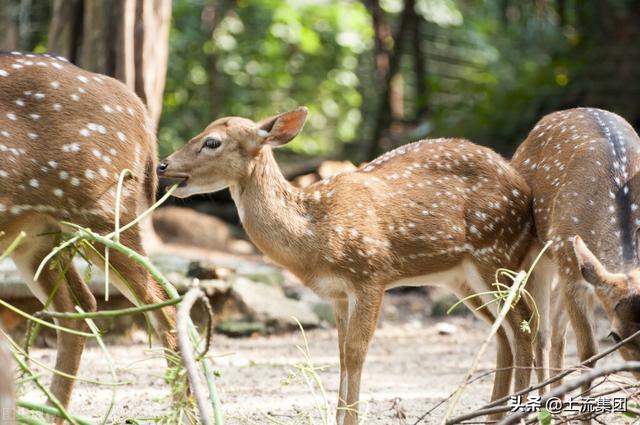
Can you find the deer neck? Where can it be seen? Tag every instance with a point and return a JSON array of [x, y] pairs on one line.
[[273, 212]]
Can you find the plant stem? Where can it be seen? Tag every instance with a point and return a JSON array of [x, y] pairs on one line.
[[171, 291], [111, 313], [506, 307], [43, 322], [186, 350], [12, 247], [49, 410], [56, 403]]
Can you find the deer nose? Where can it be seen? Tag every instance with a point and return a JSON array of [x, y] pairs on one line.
[[162, 167]]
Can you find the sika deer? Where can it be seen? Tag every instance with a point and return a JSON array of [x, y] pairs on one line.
[[443, 212], [65, 136], [581, 165]]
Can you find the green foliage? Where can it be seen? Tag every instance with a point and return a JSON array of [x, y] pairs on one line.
[[544, 417], [492, 79], [492, 68], [264, 57]]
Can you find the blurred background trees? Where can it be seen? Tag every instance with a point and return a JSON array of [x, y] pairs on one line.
[[374, 73]]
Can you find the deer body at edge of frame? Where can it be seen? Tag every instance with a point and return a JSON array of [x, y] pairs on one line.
[[65, 136], [444, 212], [582, 166]]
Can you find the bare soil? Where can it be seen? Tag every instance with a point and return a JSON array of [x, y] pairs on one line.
[[410, 368]]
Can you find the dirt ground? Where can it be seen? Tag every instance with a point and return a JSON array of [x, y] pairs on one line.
[[410, 368]]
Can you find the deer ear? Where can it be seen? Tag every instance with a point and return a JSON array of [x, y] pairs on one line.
[[592, 270], [282, 128]]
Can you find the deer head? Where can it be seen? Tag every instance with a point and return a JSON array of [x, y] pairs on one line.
[[224, 153], [620, 295]]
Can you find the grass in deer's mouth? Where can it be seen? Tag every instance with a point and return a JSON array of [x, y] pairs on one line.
[[181, 180]]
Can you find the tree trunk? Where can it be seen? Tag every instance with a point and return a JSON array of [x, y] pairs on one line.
[[84, 31], [383, 119], [8, 25], [212, 14], [420, 71]]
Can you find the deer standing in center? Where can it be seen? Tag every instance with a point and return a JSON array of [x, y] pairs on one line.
[[582, 166], [434, 212]]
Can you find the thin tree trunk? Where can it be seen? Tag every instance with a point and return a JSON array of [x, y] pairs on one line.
[[8, 25], [420, 70], [383, 117], [153, 54], [382, 39], [561, 9], [213, 13], [65, 29], [126, 39]]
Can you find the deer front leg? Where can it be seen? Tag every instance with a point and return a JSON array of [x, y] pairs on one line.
[[341, 313], [540, 287], [579, 305], [70, 291], [364, 308], [558, 334]]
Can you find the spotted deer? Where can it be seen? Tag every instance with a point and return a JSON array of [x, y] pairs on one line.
[[581, 165], [65, 136], [434, 212]]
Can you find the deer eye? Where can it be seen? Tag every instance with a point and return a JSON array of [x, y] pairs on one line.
[[211, 143], [615, 336]]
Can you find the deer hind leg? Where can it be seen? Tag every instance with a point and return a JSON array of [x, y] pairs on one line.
[[364, 309], [341, 313], [68, 290], [504, 355], [558, 333], [476, 282], [542, 280], [522, 345], [578, 301]]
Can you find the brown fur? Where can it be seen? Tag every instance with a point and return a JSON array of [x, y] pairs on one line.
[[65, 136], [426, 208], [581, 165]]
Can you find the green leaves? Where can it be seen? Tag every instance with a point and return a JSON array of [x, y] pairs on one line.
[[544, 417], [266, 56]]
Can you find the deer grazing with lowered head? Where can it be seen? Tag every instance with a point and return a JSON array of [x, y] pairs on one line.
[[582, 165], [65, 136], [434, 212]]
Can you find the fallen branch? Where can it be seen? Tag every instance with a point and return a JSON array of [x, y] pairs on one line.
[[187, 348], [487, 409], [570, 386], [561, 375], [108, 313]]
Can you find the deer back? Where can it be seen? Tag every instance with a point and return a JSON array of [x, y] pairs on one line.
[[65, 136], [416, 210], [581, 165]]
